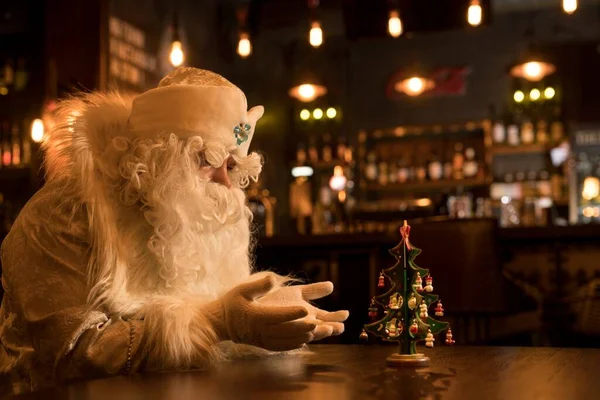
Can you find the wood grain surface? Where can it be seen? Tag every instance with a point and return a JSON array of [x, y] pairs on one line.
[[340, 372]]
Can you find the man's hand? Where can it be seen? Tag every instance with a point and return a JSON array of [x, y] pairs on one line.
[[327, 323], [280, 320], [240, 318]]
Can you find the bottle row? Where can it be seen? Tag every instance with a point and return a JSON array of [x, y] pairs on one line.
[[462, 163], [13, 76], [15, 145], [527, 131], [326, 150]]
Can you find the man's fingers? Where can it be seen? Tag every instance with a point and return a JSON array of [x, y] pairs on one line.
[[336, 316], [316, 290], [257, 288], [322, 331], [291, 329], [337, 328], [279, 315], [326, 329]]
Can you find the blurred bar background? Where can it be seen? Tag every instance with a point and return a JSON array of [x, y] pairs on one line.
[[475, 120]]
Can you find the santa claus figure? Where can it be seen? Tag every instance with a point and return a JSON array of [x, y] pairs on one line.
[[135, 254]]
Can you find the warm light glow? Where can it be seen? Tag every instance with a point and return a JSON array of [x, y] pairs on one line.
[[395, 24], [591, 212], [315, 37], [3, 90], [424, 202], [591, 188], [244, 48], [569, 6], [302, 171], [317, 113], [519, 96], [176, 55], [534, 94], [414, 86], [331, 113], [338, 180], [533, 71], [304, 115], [549, 92], [342, 196], [37, 130], [475, 13], [307, 92]]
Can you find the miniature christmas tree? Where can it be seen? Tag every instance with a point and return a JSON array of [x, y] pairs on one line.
[[406, 302]]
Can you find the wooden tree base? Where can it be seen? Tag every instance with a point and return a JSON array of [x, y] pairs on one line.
[[408, 360]]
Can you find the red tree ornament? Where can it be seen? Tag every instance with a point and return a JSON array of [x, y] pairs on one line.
[[381, 282], [439, 310]]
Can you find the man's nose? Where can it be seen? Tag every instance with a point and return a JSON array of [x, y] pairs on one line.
[[220, 176]]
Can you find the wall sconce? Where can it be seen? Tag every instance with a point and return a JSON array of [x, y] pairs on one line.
[[415, 85], [307, 92], [533, 70]]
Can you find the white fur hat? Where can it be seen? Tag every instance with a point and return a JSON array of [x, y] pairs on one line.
[[191, 101]]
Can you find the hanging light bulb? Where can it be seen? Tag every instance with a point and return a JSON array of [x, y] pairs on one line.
[[244, 48], [315, 36], [569, 6], [176, 57], [37, 130], [395, 24], [474, 13]]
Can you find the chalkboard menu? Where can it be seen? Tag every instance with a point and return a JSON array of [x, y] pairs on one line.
[[132, 59]]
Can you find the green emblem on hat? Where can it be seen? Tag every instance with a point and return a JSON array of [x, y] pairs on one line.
[[241, 132]]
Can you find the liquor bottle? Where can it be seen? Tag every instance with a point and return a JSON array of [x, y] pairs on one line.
[[448, 166], [371, 168], [382, 174], [512, 133], [499, 132], [458, 160], [435, 168], [341, 148], [16, 145], [393, 172], [420, 170], [327, 153], [519, 176], [300, 154], [21, 75], [527, 132], [470, 167], [557, 129], [402, 171], [6, 146], [313, 153], [542, 132], [348, 154], [26, 149], [9, 73]]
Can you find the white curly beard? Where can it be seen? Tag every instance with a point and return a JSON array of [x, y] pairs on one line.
[[181, 234]]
